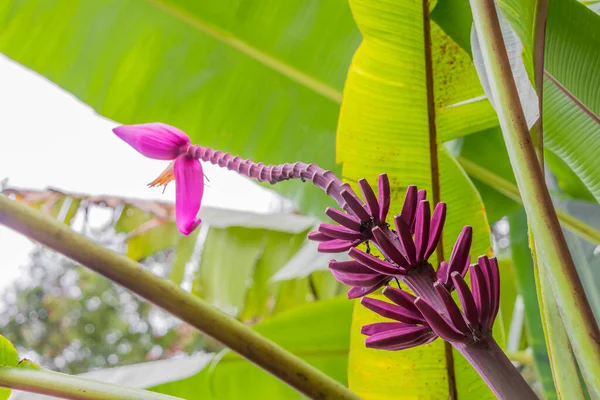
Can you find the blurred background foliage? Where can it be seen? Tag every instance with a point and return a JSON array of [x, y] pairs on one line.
[[72, 320], [264, 79]]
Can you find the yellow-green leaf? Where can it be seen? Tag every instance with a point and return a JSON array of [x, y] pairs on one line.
[[391, 121], [418, 373]]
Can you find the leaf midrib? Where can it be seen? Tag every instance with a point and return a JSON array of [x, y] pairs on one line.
[[267, 60], [435, 173], [572, 97]]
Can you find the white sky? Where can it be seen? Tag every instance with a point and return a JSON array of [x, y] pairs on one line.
[[48, 138]]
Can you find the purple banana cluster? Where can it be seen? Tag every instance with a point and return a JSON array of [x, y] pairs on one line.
[[417, 322], [406, 252]]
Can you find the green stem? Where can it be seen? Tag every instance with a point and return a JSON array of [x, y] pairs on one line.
[[511, 191], [573, 306], [187, 307], [70, 387], [560, 352], [528, 285]]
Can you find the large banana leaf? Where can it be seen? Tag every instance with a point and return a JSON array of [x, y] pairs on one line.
[[487, 150], [226, 267], [195, 65], [236, 270], [571, 101], [260, 78], [183, 254], [390, 123]]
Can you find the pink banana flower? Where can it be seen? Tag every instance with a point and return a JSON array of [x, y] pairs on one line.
[[163, 142]]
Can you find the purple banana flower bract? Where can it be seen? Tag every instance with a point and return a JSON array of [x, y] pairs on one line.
[[459, 259], [410, 330], [356, 223], [362, 279], [480, 304]]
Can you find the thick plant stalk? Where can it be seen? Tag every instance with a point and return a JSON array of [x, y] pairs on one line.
[[573, 306], [187, 307], [64, 386], [560, 353], [564, 365], [564, 371], [496, 369]]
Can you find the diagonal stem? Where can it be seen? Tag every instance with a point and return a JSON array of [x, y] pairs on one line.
[[560, 353], [269, 356], [573, 305]]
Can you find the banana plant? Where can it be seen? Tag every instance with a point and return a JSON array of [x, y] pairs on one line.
[[413, 117]]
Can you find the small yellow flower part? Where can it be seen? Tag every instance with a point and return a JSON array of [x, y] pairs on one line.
[[165, 177]]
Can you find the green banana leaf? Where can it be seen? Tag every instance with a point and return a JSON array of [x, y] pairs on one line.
[[227, 63], [183, 254], [487, 150], [259, 78], [236, 270]]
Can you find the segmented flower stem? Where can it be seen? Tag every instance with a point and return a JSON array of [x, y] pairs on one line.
[[421, 280], [272, 174]]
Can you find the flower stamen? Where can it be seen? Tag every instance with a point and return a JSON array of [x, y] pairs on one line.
[[164, 178]]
